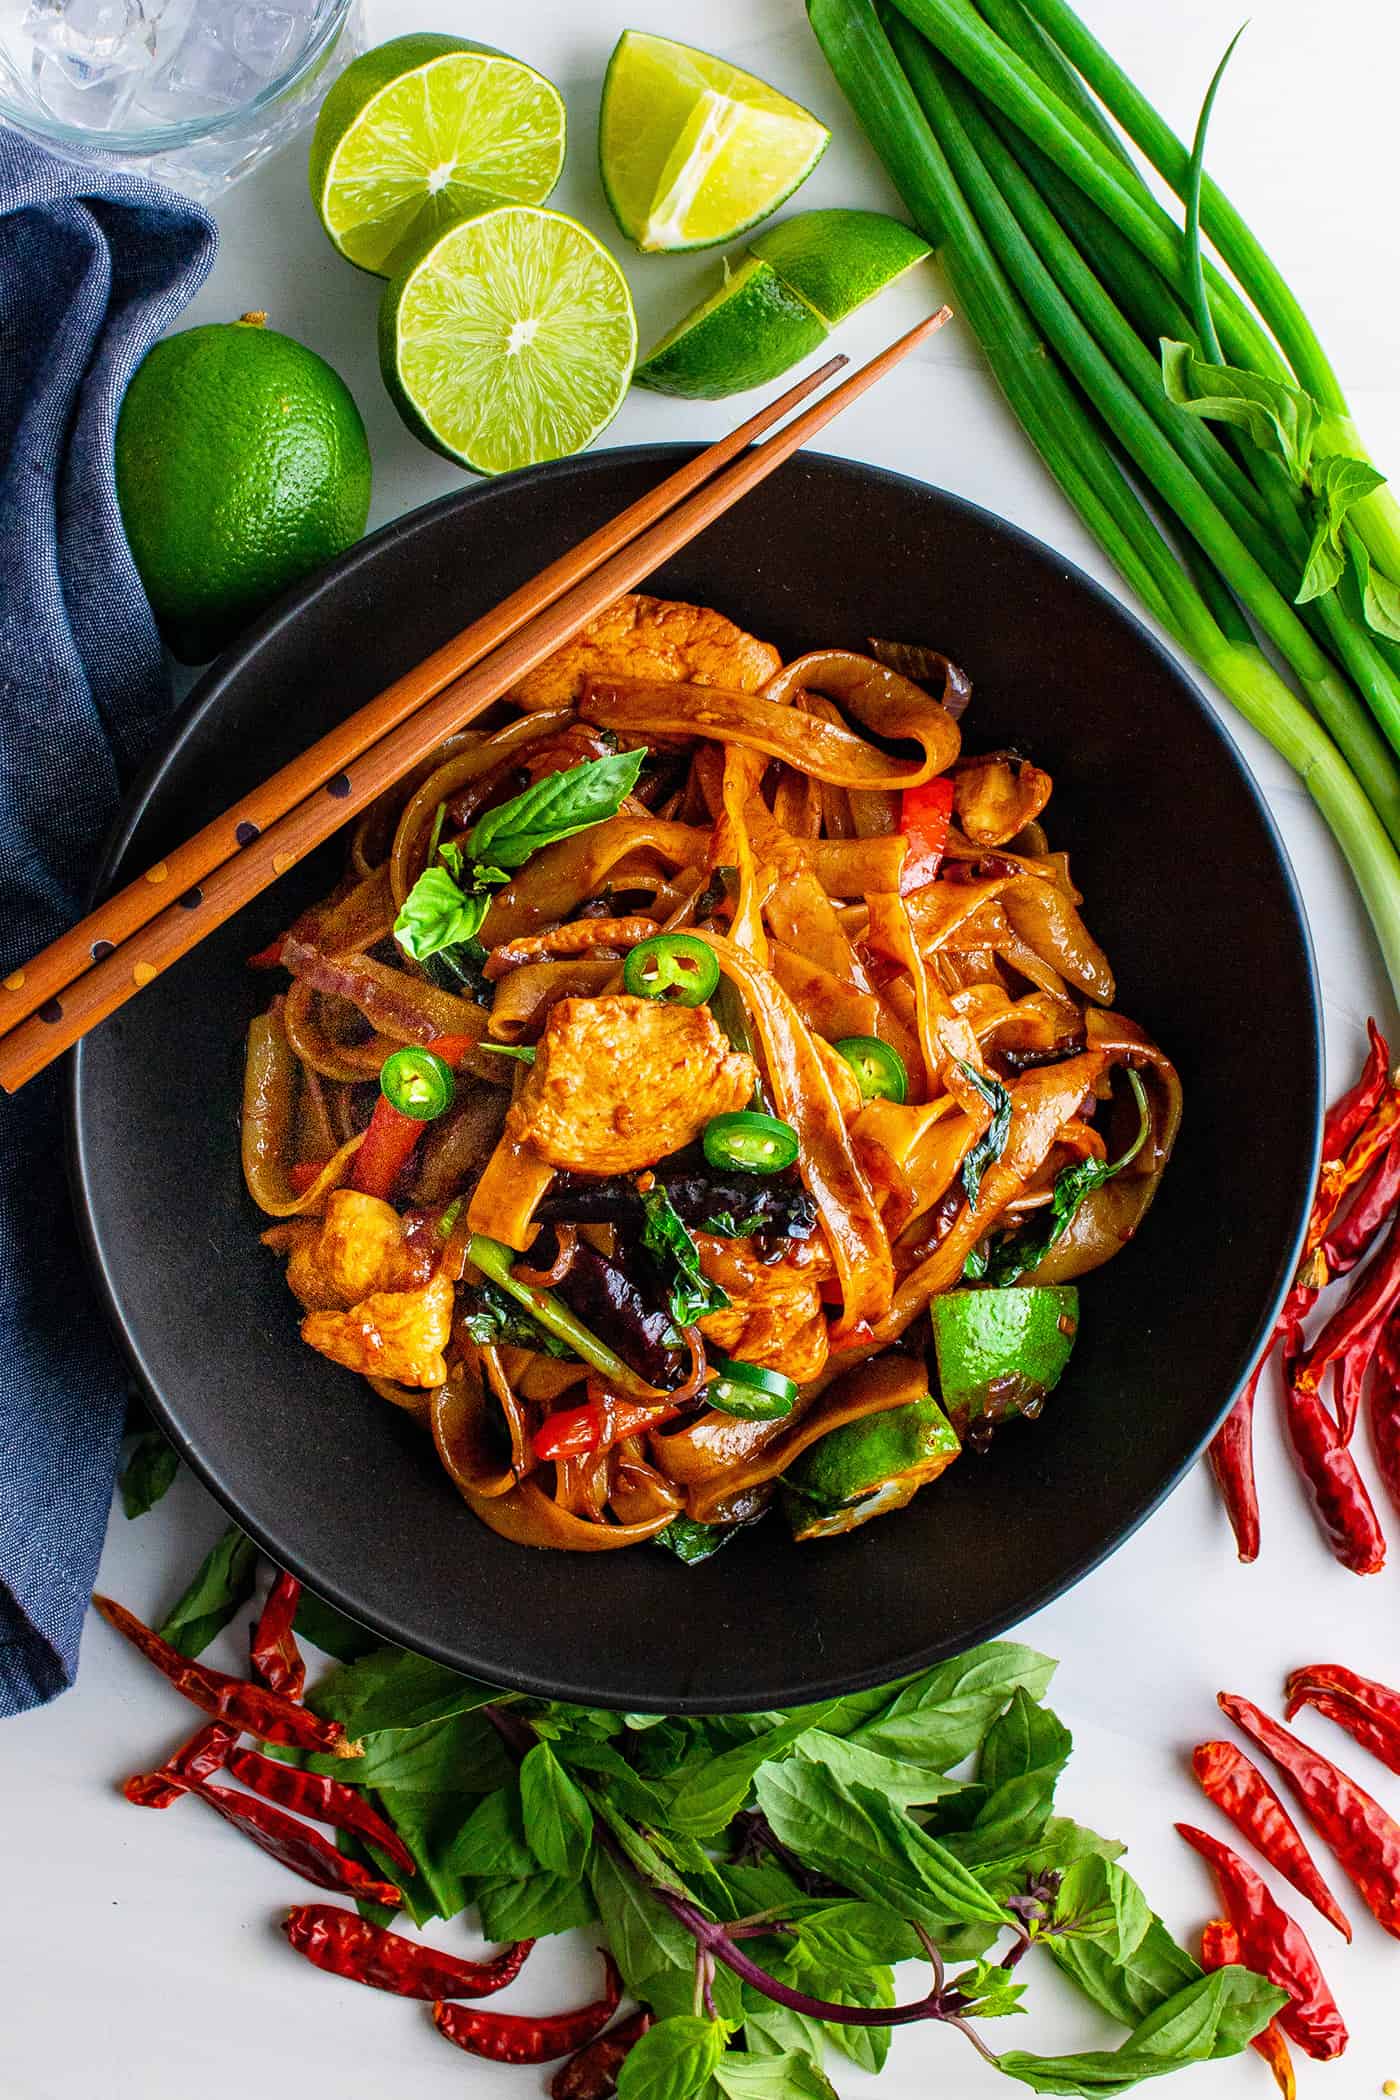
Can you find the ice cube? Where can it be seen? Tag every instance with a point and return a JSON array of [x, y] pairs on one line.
[[200, 78], [90, 98], [97, 33], [266, 38]]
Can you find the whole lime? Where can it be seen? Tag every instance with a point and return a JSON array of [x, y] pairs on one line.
[[241, 466]]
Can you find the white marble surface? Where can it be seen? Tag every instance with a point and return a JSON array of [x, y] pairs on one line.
[[138, 1955]]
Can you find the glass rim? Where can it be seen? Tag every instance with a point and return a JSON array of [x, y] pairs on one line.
[[157, 138]]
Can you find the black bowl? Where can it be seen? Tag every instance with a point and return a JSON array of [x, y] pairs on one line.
[[1186, 885]]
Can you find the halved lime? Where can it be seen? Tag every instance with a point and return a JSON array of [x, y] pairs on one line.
[[508, 339], [838, 259], [692, 150], [748, 332], [421, 131]]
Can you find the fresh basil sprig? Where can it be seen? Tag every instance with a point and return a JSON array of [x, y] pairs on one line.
[[1016, 1252], [992, 1142], [690, 1294], [447, 906]]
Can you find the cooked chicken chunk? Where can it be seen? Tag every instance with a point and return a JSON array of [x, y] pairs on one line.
[[358, 1246], [774, 1316], [398, 1335], [619, 1082], [640, 637]]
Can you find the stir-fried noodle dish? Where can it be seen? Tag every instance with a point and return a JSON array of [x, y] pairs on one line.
[[701, 1092]]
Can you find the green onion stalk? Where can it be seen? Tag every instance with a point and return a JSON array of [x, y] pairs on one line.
[[1069, 272]]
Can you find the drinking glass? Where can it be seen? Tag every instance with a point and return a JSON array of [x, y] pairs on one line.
[[194, 92]]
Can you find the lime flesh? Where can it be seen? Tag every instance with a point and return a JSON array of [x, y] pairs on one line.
[[692, 151], [509, 339], [423, 130]]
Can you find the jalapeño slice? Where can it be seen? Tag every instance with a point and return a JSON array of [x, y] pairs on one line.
[[750, 1142], [673, 967]]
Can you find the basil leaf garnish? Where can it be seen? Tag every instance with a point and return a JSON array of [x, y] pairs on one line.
[[992, 1142], [1014, 1253], [690, 1293], [554, 808]]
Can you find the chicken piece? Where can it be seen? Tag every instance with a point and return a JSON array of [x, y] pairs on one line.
[[996, 795], [774, 1316], [399, 1335], [619, 1083], [657, 638], [358, 1246]]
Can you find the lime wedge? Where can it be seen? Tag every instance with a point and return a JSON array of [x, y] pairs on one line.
[[796, 280], [836, 260], [423, 130], [691, 150], [748, 332], [508, 339]]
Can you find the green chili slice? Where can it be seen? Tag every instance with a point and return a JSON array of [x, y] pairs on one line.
[[749, 1390], [673, 967], [880, 1071], [418, 1083], [750, 1142]]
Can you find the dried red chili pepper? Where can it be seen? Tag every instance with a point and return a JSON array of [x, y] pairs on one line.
[[295, 1844], [1349, 1379], [1364, 1838], [513, 2038], [1221, 1949], [273, 1649], [1346, 1117], [1365, 1307], [205, 1753], [1343, 1508], [1367, 1710], [323, 1800], [1239, 1789], [1232, 1462], [344, 1944], [1384, 1409], [591, 2073], [1350, 1239], [253, 1709], [1338, 1176], [1276, 1946]]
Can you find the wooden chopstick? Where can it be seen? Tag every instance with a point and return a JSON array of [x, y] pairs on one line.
[[256, 861], [128, 909]]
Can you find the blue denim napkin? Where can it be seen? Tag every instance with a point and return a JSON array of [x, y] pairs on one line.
[[94, 265]]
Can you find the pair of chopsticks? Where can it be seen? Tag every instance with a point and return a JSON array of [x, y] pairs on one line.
[[103, 961]]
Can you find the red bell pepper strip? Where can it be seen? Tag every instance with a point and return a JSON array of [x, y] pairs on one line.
[[924, 816], [268, 958], [391, 1137], [303, 1172], [1221, 1949], [1277, 1947], [577, 1432]]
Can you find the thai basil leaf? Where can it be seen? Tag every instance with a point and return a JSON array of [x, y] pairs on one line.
[[390, 1688], [848, 1934], [992, 1142], [1278, 417], [1380, 598], [462, 1754], [1026, 1738], [1015, 1253], [428, 1824], [1009, 1824], [692, 1541], [672, 2060], [1127, 1987], [459, 969], [492, 1317], [558, 1822], [743, 2075], [710, 1798], [876, 1850], [909, 1786], [690, 1294], [992, 1990], [941, 1716], [151, 1466], [223, 1583], [773, 2030], [865, 2046], [491, 1845], [554, 808], [438, 914], [329, 1630], [627, 1791], [1216, 2016], [1336, 483], [652, 1949], [723, 1225], [531, 1906]]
